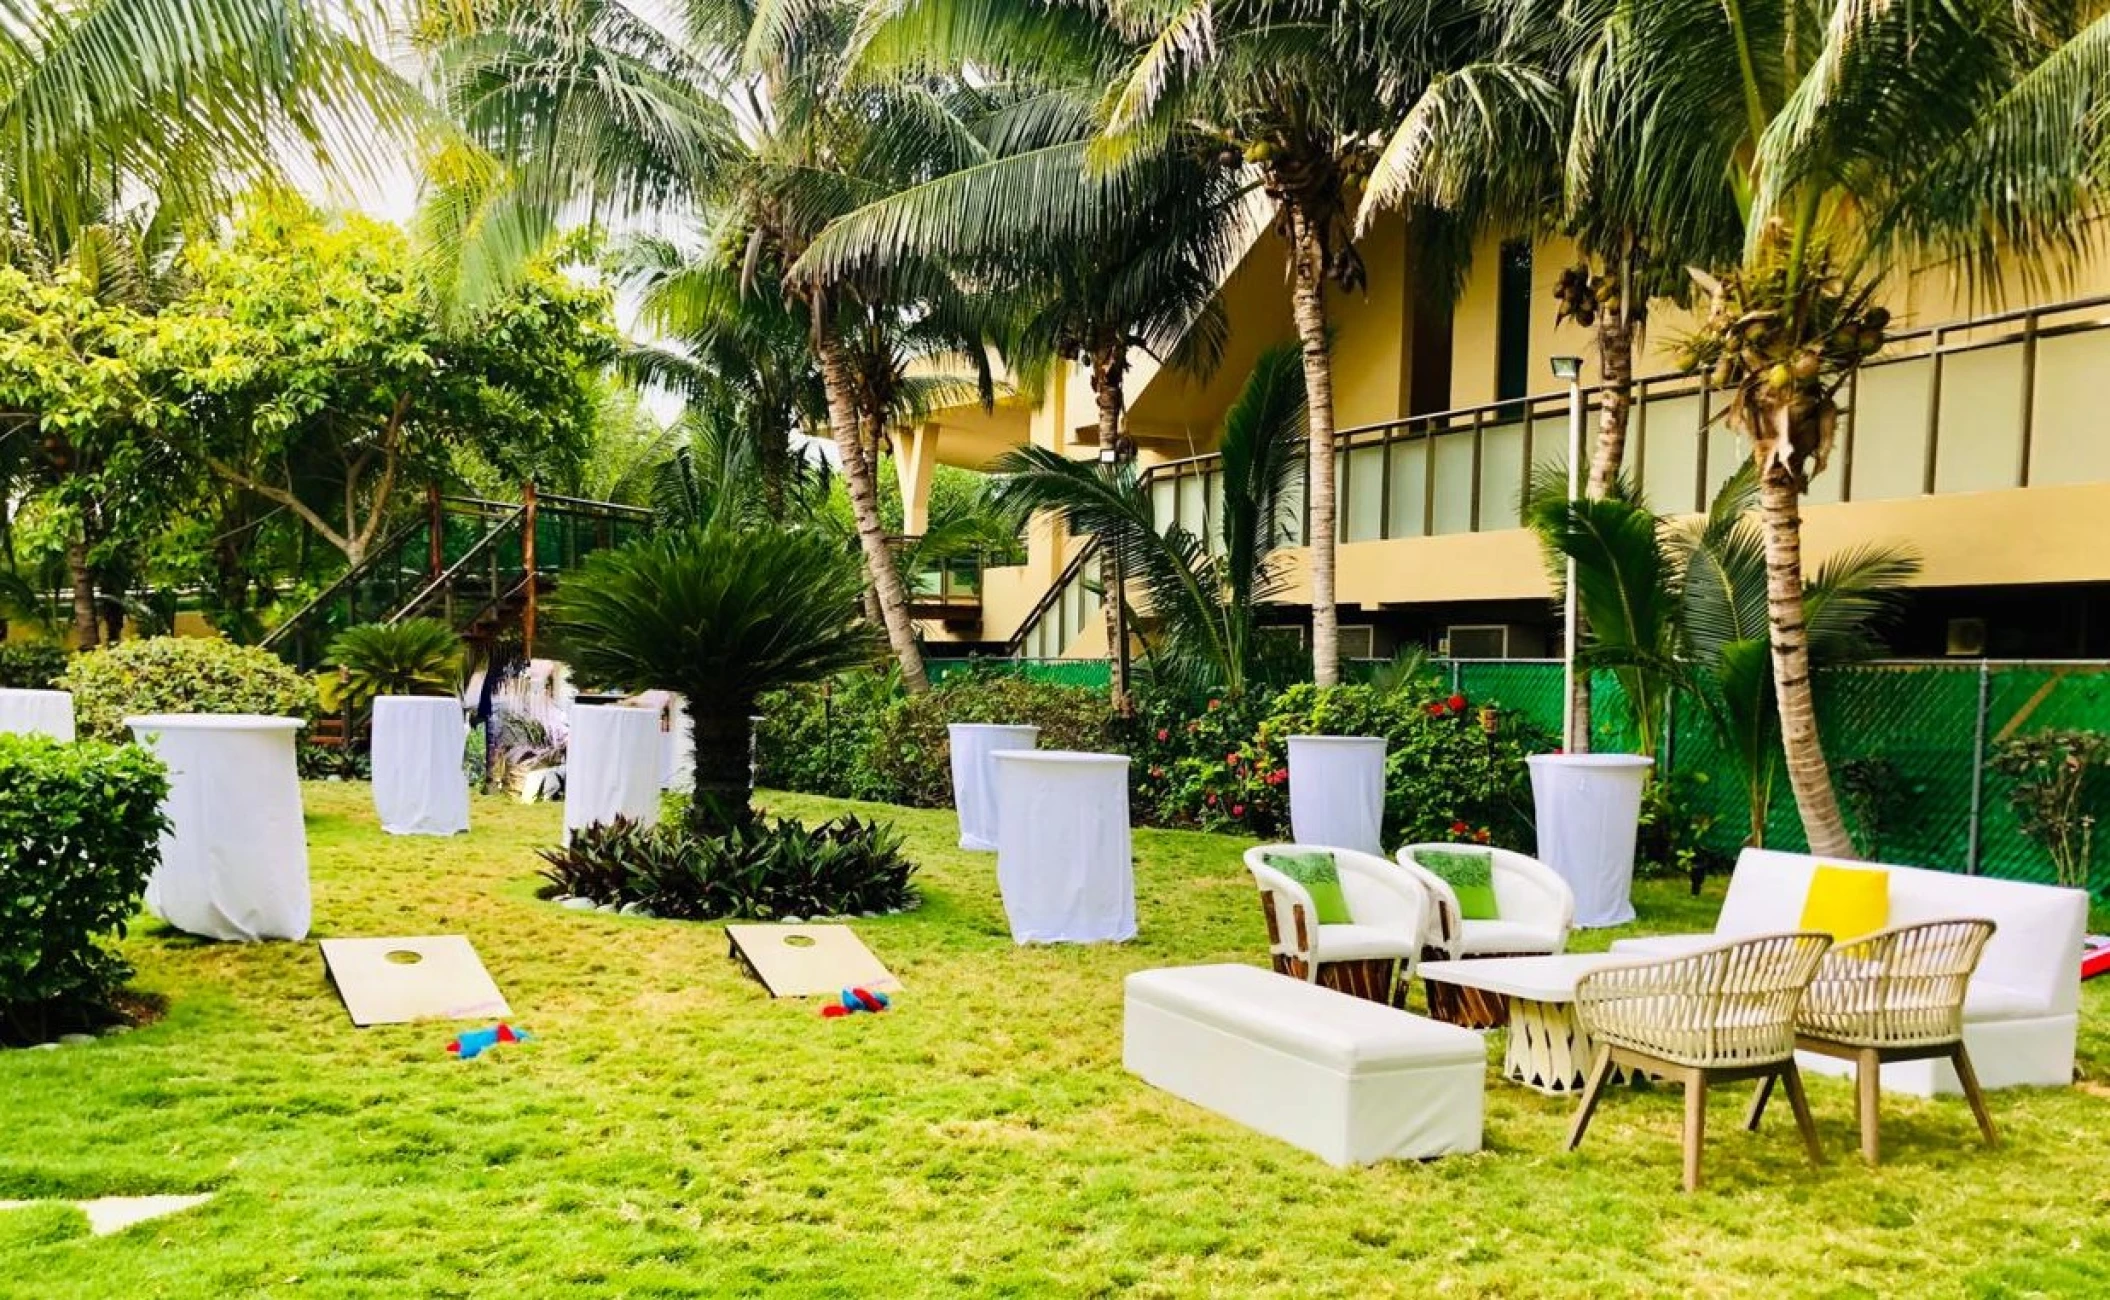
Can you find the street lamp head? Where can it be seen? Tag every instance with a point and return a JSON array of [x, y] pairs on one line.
[[1568, 368], [1109, 454]]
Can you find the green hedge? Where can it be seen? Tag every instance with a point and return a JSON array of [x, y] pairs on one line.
[[181, 675], [80, 828], [31, 665]]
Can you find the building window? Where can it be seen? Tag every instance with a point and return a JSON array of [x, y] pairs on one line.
[[1513, 325]]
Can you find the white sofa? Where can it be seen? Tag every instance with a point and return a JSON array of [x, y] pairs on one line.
[[1346, 1079], [1535, 908], [2022, 1008]]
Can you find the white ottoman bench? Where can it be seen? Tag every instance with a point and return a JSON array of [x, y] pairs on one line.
[[1348, 1080]]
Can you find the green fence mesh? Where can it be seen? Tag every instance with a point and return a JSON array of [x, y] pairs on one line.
[[1916, 724], [1095, 673]]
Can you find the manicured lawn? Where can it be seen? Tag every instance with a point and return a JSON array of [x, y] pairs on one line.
[[674, 1132]]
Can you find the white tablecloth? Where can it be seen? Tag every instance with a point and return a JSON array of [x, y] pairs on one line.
[[677, 745], [1337, 791], [419, 785], [1063, 862], [614, 766], [1588, 808], [234, 861], [974, 776], [37, 713]]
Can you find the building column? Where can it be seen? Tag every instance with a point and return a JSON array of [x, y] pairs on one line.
[[915, 455]]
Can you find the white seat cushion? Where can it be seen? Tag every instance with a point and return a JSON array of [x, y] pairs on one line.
[[1985, 1001], [1344, 1034], [1479, 938], [1361, 942]]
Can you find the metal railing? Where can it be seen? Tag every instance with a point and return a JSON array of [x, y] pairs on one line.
[[2021, 384], [464, 559]]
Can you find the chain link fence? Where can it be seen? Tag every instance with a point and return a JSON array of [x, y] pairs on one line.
[[1918, 737]]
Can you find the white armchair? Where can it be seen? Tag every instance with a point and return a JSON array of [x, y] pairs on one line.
[[1370, 957], [1537, 909]]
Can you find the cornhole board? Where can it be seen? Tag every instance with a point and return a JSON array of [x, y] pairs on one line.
[[394, 981], [799, 961]]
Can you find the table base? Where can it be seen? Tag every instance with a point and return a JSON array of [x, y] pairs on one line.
[[1548, 1048]]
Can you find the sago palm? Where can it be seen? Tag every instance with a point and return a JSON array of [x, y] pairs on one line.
[[419, 656], [721, 616]]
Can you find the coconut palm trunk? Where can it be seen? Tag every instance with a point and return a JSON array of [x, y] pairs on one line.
[[1308, 305], [1808, 775], [1615, 400], [1107, 390], [843, 426]]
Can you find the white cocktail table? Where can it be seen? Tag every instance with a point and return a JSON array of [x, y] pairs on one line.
[[1548, 1049], [419, 785], [37, 713], [1064, 864], [974, 776]]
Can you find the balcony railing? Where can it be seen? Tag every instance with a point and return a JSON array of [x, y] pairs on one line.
[[2004, 400]]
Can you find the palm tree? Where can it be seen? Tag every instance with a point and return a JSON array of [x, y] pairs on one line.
[[1301, 92], [721, 616], [1837, 148], [1678, 607], [1205, 605], [189, 103], [1719, 564], [1144, 281], [592, 102]]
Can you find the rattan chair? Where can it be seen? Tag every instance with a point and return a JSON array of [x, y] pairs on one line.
[[1896, 995], [1373, 957], [1713, 1016]]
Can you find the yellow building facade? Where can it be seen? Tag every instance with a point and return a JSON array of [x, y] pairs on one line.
[[1980, 439]]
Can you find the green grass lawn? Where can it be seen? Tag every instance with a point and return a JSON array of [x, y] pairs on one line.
[[672, 1131]]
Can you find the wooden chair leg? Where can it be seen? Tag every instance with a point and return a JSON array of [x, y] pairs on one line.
[[1868, 1093], [1758, 1103], [1968, 1077], [1600, 1070], [1791, 1079], [1695, 1126]]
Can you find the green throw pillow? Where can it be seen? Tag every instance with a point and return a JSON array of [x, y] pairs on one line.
[[1471, 875], [1320, 878]]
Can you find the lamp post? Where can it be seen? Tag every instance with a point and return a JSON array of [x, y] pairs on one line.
[[1111, 457], [1570, 370]]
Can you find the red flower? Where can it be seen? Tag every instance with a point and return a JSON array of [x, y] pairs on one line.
[[1215, 704], [1157, 773], [1436, 709], [1457, 703], [1460, 828], [1209, 799], [1481, 835], [1231, 760], [1238, 810], [1163, 734]]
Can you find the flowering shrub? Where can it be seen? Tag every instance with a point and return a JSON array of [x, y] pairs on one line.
[[1452, 771]]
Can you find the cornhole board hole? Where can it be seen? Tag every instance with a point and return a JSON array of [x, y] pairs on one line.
[[799, 961], [394, 981]]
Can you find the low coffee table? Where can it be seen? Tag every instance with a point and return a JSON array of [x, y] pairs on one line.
[[1548, 1049]]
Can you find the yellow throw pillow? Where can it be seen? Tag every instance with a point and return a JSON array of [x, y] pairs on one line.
[[1847, 902]]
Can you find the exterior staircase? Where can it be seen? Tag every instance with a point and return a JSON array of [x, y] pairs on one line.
[[478, 565]]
